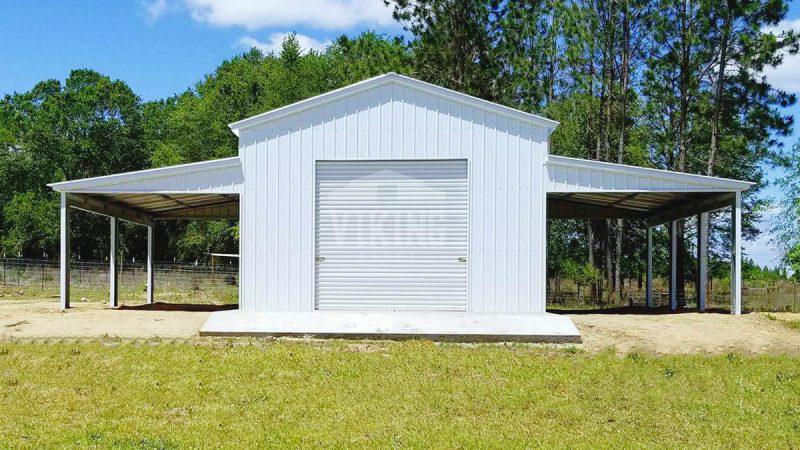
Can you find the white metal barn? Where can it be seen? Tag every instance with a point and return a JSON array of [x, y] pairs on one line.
[[395, 207]]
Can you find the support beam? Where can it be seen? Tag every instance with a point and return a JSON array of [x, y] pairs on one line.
[[713, 202], [107, 208], [736, 255], [673, 264], [112, 265], [65, 253], [561, 208], [150, 268], [649, 279], [702, 260]]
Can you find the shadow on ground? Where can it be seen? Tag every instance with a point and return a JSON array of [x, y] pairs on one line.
[[193, 307], [637, 310]]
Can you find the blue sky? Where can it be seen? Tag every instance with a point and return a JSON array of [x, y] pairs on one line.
[[161, 47]]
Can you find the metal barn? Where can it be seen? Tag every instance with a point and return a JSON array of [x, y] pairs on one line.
[[393, 207]]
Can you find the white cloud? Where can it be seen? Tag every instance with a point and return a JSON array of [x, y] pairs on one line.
[[785, 25], [322, 14], [787, 75], [274, 41], [154, 9]]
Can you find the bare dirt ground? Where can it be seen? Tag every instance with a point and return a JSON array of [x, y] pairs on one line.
[[689, 332], [40, 319], [684, 333]]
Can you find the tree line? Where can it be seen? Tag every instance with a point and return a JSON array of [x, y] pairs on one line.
[[672, 84]]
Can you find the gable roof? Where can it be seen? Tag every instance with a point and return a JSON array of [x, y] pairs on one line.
[[391, 78]]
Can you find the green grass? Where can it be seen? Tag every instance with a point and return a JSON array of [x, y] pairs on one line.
[[157, 394]]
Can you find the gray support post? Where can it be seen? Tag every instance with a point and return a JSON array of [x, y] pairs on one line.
[[673, 264], [112, 265], [736, 255], [702, 260], [649, 279], [150, 269], [65, 253]]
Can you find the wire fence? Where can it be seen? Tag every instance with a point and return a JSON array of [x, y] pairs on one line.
[[217, 282], [783, 296], [178, 282]]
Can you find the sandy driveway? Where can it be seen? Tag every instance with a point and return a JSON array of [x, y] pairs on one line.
[[651, 333], [37, 319], [689, 332]]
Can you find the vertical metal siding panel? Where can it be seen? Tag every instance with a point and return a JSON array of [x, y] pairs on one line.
[[251, 228], [284, 217], [514, 238], [431, 147], [527, 208], [306, 218], [340, 129], [374, 124], [362, 129], [490, 231], [385, 128], [396, 123], [295, 267], [319, 149], [421, 101], [350, 142], [443, 124], [247, 242], [465, 122], [501, 216], [329, 132], [408, 124], [585, 179], [248, 207], [481, 265], [260, 167], [540, 231], [269, 217]]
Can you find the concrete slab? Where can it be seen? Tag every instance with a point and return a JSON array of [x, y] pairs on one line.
[[440, 326]]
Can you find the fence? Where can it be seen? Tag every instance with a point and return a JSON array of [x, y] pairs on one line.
[[181, 282], [780, 296], [177, 282]]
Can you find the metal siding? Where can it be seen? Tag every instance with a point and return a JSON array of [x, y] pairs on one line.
[[506, 167], [573, 175], [391, 234]]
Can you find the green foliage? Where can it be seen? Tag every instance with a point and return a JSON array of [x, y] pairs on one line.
[[89, 125], [582, 274], [32, 223], [793, 259], [752, 272], [454, 45]]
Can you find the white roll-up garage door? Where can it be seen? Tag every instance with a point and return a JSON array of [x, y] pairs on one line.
[[391, 235]]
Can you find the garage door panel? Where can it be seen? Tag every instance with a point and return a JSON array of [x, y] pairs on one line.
[[391, 235]]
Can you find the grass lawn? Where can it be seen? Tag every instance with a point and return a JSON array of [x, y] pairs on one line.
[[159, 394]]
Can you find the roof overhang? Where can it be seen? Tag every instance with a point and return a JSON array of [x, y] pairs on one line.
[[202, 190], [391, 78], [587, 189]]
